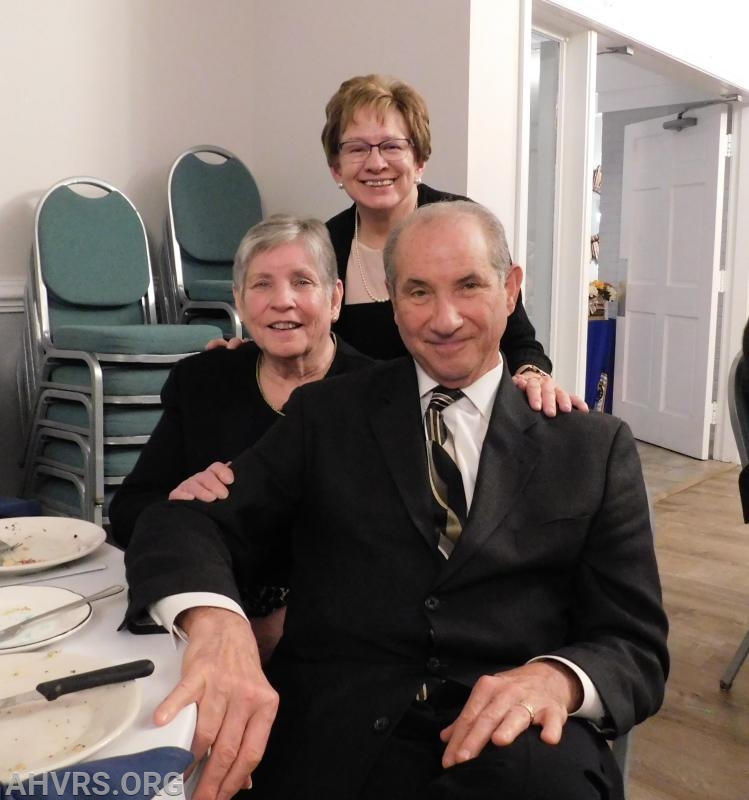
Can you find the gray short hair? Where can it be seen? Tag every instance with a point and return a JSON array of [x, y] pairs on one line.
[[280, 229], [447, 212]]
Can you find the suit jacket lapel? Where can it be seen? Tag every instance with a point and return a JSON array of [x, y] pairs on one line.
[[508, 457], [396, 421]]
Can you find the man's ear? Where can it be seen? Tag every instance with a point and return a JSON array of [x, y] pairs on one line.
[[512, 286], [391, 295]]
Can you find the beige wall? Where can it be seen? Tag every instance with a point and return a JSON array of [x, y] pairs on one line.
[[116, 90], [304, 50], [462, 56]]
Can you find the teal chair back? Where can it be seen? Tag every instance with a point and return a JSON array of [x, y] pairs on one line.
[[212, 205], [92, 262]]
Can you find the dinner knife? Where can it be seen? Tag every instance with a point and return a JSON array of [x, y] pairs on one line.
[[11, 630], [57, 687]]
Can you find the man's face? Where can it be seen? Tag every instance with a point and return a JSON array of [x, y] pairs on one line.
[[450, 305]]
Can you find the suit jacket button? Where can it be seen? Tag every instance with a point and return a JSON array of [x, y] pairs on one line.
[[433, 664], [432, 603], [381, 724]]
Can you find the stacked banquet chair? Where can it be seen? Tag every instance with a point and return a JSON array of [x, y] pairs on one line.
[[212, 200], [28, 364], [94, 358]]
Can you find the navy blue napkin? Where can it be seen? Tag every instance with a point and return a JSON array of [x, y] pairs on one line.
[[138, 776]]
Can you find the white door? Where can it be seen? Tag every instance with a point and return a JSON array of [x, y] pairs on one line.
[[672, 208]]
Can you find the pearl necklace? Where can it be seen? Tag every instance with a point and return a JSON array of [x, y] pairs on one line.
[[259, 362], [357, 257]]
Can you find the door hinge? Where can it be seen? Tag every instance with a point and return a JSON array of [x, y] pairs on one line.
[[729, 145], [721, 281], [714, 414]]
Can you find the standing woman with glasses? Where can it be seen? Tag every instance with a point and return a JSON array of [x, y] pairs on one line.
[[377, 142]]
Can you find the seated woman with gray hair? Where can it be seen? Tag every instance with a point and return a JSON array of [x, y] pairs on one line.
[[219, 402]]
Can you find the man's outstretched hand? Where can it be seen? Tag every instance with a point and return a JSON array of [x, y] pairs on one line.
[[221, 672]]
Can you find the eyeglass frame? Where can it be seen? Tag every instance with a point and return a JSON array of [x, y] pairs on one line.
[[371, 147]]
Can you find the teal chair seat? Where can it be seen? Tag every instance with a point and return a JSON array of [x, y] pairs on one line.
[[123, 420], [64, 496], [118, 459], [211, 290], [134, 339], [119, 380]]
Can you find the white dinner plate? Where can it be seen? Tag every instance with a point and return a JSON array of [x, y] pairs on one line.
[[18, 603], [44, 735], [46, 542]]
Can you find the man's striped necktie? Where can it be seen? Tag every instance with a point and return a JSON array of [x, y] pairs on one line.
[[445, 478]]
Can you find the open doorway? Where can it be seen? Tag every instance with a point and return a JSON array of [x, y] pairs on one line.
[[632, 85], [662, 200]]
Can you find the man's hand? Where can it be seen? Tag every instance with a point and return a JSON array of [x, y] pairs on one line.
[[502, 706], [232, 344], [221, 672], [545, 395], [208, 485]]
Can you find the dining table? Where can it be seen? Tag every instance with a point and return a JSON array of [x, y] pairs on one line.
[[102, 639]]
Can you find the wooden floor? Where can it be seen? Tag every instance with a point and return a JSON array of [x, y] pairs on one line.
[[697, 747]]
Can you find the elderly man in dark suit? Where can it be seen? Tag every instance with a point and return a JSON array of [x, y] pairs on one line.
[[474, 598]]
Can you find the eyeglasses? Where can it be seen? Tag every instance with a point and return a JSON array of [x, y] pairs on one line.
[[355, 151]]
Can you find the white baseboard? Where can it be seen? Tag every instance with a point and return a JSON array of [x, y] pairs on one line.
[[11, 296]]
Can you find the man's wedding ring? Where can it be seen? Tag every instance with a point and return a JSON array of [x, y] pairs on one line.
[[529, 708]]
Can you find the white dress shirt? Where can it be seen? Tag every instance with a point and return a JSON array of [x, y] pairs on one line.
[[467, 419]]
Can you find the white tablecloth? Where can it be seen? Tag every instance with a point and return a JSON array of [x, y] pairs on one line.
[[101, 638]]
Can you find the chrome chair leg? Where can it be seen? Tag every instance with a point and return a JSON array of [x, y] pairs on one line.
[[733, 668]]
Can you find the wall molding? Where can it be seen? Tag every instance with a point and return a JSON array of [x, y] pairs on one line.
[[11, 296]]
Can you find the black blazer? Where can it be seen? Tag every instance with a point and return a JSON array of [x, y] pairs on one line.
[[213, 410], [370, 327], [556, 558]]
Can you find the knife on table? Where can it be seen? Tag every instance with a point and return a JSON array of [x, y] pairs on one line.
[[57, 687], [12, 630]]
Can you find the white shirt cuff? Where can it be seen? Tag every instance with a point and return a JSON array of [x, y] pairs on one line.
[[166, 610], [592, 707]]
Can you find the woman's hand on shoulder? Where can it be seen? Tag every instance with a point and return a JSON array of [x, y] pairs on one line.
[[231, 344], [208, 485], [544, 394]]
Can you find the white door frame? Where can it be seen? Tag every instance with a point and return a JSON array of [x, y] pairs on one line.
[[568, 337], [568, 333], [736, 282]]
